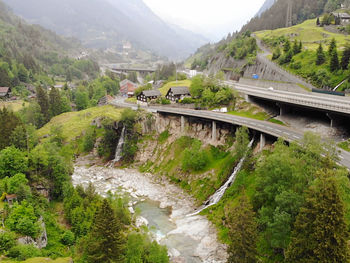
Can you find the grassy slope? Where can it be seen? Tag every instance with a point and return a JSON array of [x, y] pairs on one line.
[[41, 260], [310, 34], [13, 105], [168, 85], [74, 123]]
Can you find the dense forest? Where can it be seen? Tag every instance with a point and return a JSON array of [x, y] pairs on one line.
[[275, 17]]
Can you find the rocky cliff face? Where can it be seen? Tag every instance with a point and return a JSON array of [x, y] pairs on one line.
[[156, 124]]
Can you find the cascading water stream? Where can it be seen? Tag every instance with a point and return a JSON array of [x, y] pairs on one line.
[[119, 149], [215, 198]]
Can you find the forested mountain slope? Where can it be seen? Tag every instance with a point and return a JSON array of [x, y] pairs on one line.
[[275, 17], [108, 24]]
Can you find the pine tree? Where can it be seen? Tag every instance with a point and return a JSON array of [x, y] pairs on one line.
[[334, 62], [286, 46], [320, 56], [242, 233], [5, 80], [55, 102], [318, 21], [300, 48], [332, 46], [345, 58], [43, 101], [320, 232], [296, 47], [106, 241]]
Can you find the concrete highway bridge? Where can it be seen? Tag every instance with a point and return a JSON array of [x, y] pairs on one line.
[[335, 107], [128, 70], [264, 128]]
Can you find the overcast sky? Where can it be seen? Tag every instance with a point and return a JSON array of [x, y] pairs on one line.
[[212, 18]]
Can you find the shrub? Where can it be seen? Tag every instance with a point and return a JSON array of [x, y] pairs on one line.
[[187, 101], [68, 238], [23, 252], [194, 158], [7, 241], [89, 140]]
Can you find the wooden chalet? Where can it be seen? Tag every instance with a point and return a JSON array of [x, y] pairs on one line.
[[10, 199], [178, 93], [147, 95], [5, 92]]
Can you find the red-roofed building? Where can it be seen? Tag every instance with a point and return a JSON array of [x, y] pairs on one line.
[[127, 87]]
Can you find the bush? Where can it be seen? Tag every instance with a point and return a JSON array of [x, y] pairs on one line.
[[162, 101], [23, 252], [68, 238], [12, 161], [194, 158], [7, 241], [187, 101], [89, 140]]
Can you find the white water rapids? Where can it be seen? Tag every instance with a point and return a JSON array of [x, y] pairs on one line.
[[163, 206]]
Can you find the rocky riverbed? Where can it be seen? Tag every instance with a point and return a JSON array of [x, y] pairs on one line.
[[164, 206]]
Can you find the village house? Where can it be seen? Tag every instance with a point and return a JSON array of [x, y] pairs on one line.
[[344, 18], [5, 92], [178, 93], [127, 88], [147, 95], [10, 199]]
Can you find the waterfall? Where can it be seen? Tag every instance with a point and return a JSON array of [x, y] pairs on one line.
[[215, 198], [119, 149]]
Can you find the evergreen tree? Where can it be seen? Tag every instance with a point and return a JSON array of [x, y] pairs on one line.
[[334, 62], [296, 49], [332, 46], [345, 58], [55, 102], [276, 53], [8, 123], [318, 21], [242, 233], [320, 231], [106, 241], [5, 80], [286, 46], [43, 101], [320, 56], [300, 48]]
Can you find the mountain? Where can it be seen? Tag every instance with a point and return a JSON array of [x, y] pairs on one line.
[[109, 24], [266, 6]]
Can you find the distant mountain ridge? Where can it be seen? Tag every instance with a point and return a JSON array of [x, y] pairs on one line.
[[109, 23], [266, 6]]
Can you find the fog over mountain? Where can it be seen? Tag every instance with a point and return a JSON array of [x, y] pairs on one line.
[[267, 5], [110, 23]]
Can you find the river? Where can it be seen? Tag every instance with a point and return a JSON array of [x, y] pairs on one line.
[[164, 207]]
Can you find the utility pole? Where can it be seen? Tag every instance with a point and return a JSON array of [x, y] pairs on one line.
[[289, 22]]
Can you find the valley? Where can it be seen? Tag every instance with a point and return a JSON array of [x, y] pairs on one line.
[[128, 139]]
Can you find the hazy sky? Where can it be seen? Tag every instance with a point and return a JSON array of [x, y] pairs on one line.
[[212, 18]]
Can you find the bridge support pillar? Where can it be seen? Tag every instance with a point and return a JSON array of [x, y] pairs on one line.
[[283, 109], [183, 124], [247, 98], [213, 132], [262, 141]]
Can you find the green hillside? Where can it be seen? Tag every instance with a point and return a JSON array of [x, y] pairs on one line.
[[310, 34], [324, 69]]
